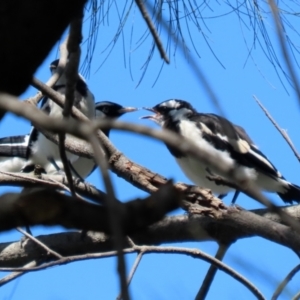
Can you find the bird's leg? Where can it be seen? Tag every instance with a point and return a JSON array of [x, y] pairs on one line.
[[58, 169], [221, 196], [28, 229], [236, 194], [24, 238]]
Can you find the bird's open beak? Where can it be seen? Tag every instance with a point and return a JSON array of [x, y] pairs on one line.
[[128, 109], [156, 117]]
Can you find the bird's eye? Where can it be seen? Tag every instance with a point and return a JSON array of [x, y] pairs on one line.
[[163, 108], [105, 109]]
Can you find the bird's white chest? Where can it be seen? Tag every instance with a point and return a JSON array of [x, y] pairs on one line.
[[43, 150]]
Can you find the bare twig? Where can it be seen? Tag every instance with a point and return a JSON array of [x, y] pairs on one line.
[[286, 280], [195, 253], [297, 296], [151, 27], [52, 80], [15, 275], [71, 73], [114, 214], [210, 275], [281, 131], [132, 271], [52, 181], [134, 267], [35, 240], [57, 98], [279, 29]]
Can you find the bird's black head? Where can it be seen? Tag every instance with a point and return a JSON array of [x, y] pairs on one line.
[[107, 109], [53, 65], [174, 109], [81, 85]]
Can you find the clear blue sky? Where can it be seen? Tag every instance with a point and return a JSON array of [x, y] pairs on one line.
[[174, 276]]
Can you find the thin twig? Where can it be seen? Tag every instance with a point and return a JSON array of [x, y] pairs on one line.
[[279, 29], [15, 275], [195, 253], [113, 212], [210, 275], [281, 131], [71, 73], [132, 271], [135, 265], [52, 181], [56, 97], [52, 80], [45, 247], [286, 280], [153, 31], [297, 296]]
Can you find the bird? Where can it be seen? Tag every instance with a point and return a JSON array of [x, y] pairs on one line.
[[104, 109], [42, 151], [14, 150], [225, 140]]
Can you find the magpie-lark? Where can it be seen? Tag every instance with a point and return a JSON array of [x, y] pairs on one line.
[[235, 151]]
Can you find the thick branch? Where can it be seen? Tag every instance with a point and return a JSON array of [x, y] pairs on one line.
[[170, 230], [48, 207]]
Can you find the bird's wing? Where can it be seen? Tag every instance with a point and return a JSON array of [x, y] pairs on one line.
[[14, 146], [237, 143]]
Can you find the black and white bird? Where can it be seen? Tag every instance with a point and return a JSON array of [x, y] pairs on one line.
[[104, 109], [14, 150], [41, 150], [236, 151]]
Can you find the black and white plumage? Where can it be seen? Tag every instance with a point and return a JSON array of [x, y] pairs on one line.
[[13, 153], [44, 152], [104, 109], [236, 151]]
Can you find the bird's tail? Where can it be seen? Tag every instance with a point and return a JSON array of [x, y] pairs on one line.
[[292, 193]]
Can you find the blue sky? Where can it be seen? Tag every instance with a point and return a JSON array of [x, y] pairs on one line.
[[174, 276]]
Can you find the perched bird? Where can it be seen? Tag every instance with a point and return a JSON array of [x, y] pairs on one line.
[[235, 151], [14, 150], [104, 109], [42, 151]]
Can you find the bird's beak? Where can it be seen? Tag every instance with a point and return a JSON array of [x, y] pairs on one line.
[[128, 109], [156, 117]]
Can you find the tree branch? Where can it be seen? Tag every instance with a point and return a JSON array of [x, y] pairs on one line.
[[281, 131]]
